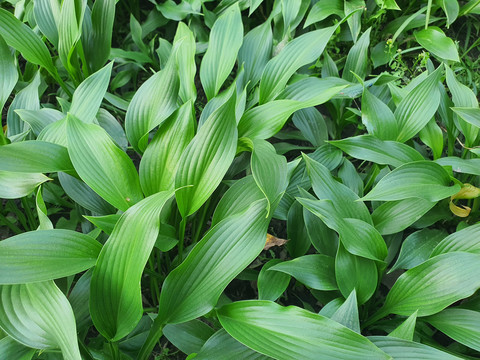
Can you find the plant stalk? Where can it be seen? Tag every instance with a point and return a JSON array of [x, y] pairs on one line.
[[154, 336]]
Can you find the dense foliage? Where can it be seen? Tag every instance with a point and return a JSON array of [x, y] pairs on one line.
[[154, 157]]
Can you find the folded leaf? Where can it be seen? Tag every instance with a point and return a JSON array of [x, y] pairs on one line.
[[405, 330], [9, 72], [16, 185]]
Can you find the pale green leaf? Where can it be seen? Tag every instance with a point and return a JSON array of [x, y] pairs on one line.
[[186, 62], [463, 240], [434, 40], [12, 349], [379, 120], [39, 119], [323, 9], [47, 13], [189, 337], [347, 313], [401, 349], [16, 185], [8, 70]]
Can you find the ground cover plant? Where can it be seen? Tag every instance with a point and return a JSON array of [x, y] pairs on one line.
[[287, 179]]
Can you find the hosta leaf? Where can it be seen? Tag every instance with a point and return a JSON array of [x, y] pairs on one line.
[[215, 261], [116, 299], [291, 332], [312, 125], [432, 136], [401, 349], [347, 313], [206, 159], [420, 179], [417, 248], [102, 165], [323, 9], [186, 62], [16, 185], [189, 337], [78, 298], [39, 316], [103, 15], [45, 255], [434, 40], [113, 128], [298, 242], [161, 159], [357, 58], [271, 284], [394, 216], [39, 119], [46, 14], [405, 330], [88, 97], [465, 166], [380, 122], [462, 325], [55, 132], [316, 271], [22, 38], [12, 349], [9, 72], [418, 107], [301, 51], [222, 345], [45, 223], [34, 157], [433, 285], [370, 148], [225, 40], [153, 102], [463, 240], [470, 114], [451, 9]]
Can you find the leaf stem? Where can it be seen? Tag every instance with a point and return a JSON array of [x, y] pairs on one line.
[[427, 18], [154, 335], [114, 350]]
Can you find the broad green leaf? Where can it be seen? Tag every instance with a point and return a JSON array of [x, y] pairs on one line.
[[420, 179], [55, 132], [46, 14], [347, 313], [432, 136], [394, 216], [161, 159], [353, 12], [99, 162], [417, 247], [357, 59], [113, 128], [78, 298], [45, 223], [380, 122], [34, 157], [433, 285], [45, 255], [106, 223], [225, 40], [311, 124], [255, 52], [271, 284], [418, 107], [462, 325], [206, 159], [434, 40], [463, 240], [323, 9], [16, 185], [152, 103], [355, 272], [451, 9], [189, 337], [292, 332], [103, 15], [22, 38], [315, 271], [298, 242], [8, 70], [370, 148], [405, 330], [116, 299], [470, 114], [88, 97], [12, 349], [324, 240], [465, 166], [39, 316], [186, 62], [39, 119], [401, 349], [301, 51], [193, 288], [350, 177], [343, 199], [222, 345], [27, 98], [269, 171]]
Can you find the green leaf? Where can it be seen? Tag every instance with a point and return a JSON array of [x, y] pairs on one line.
[[353, 13], [103, 16], [433, 285], [394, 216], [315, 271], [470, 114], [225, 40], [193, 288], [380, 122], [432, 136], [323, 9], [189, 337], [34, 157], [186, 62], [347, 313], [357, 59], [12, 349], [405, 330], [46, 15], [22, 38], [152, 103], [417, 247], [298, 242], [116, 299], [462, 325], [45, 223], [420, 179], [451, 9], [434, 40], [9, 72], [292, 332], [311, 124], [271, 284], [88, 97], [463, 240], [39, 316], [99, 162], [401, 349], [370, 148], [113, 128], [46, 255], [206, 159], [301, 51], [39, 119], [16, 185], [161, 159], [418, 107]]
